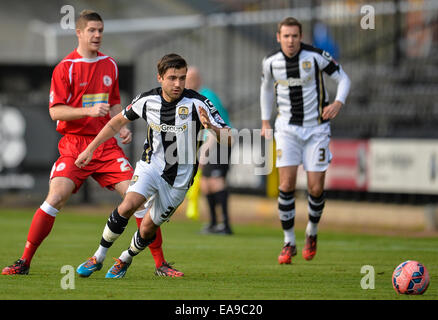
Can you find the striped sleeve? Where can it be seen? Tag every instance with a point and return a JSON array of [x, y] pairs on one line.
[[135, 109], [335, 71]]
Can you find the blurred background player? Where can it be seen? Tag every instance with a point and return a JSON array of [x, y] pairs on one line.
[[177, 116], [211, 178], [292, 79], [84, 95]]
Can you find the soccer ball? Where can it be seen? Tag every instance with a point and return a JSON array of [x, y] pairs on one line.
[[410, 277]]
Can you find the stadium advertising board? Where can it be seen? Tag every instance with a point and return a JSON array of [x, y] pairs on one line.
[[348, 169], [403, 166]]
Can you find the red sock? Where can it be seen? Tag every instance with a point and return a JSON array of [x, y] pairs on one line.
[[40, 228], [155, 247], [138, 220], [157, 250]]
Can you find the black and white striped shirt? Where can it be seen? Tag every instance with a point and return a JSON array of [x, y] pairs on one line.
[[297, 87], [173, 133]]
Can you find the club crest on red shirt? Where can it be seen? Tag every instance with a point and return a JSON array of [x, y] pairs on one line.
[[107, 80]]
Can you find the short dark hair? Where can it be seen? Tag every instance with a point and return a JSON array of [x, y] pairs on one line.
[[289, 21], [85, 16], [171, 60]]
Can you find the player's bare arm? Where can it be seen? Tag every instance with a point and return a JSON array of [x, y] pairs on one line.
[[125, 133], [205, 120], [67, 113], [110, 129], [115, 110]]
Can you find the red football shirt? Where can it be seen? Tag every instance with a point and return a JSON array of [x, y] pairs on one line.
[[81, 82]]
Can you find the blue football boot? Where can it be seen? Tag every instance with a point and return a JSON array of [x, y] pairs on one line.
[[88, 267], [118, 270]]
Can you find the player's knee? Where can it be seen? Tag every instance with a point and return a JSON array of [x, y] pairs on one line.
[[147, 229], [286, 186], [315, 191], [127, 208], [56, 200]]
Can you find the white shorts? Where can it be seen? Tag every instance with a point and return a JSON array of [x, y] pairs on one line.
[[302, 145], [163, 199]]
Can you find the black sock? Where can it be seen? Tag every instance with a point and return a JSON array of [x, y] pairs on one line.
[[211, 199], [315, 207], [286, 209], [138, 243], [222, 199], [116, 224]]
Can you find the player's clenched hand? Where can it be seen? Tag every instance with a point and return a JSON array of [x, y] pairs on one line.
[[99, 110], [84, 158], [205, 120], [125, 135], [332, 110]]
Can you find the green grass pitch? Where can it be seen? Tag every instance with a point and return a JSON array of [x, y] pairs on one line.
[[239, 267]]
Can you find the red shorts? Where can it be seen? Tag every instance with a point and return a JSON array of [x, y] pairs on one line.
[[108, 167]]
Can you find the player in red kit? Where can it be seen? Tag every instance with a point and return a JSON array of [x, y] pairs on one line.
[[84, 95]]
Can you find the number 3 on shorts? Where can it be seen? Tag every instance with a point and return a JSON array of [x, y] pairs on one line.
[[321, 155], [124, 166], [169, 212]]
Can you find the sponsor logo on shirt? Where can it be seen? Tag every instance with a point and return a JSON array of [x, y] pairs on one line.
[[150, 109], [293, 82], [168, 128], [89, 100]]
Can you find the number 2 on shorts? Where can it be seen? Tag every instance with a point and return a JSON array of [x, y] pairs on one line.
[[124, 166]]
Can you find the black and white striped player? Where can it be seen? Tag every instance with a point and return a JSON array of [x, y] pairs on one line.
[[171, 129], [292, 79], [174, 116]]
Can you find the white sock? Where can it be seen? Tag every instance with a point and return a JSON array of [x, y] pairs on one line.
[[100, 254], [289, 236], [126, 257], [312, 228], [47, 208]]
